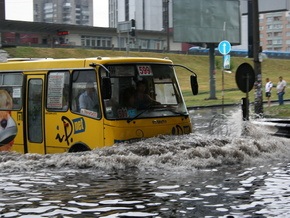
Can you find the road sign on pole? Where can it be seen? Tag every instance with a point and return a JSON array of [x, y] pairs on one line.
[[124, 27], [224, 47]]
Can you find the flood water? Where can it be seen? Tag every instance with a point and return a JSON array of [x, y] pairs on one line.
[[217, 171]]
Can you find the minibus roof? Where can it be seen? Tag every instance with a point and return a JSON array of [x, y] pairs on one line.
[[23, 64]]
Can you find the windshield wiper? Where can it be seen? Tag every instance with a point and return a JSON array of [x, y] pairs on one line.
[[179, 113], [142, 112], [156, 106]]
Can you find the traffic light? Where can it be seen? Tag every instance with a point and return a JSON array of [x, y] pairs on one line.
[[132, 32], [133, 23], [133, 28]]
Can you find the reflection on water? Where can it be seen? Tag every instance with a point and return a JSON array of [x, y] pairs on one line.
[[206, 173]]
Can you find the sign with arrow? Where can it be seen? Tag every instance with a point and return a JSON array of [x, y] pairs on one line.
[[224, 47]]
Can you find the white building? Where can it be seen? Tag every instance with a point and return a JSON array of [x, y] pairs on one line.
[[148, 14]]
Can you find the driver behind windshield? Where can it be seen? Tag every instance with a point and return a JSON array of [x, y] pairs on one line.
[[143, 100]]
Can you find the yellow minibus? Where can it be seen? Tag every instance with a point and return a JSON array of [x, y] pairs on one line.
[[71, 105]]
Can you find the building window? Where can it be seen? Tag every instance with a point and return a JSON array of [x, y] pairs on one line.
[[96, 41], [277, 42], [275, 26], [269, 19], [278, 34]]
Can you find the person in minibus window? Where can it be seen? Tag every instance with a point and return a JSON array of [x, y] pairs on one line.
[[143, 100], [129, 97], [129, 101], [89, 100]]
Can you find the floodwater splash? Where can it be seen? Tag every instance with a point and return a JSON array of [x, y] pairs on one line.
[[170, 153], [228, 140]]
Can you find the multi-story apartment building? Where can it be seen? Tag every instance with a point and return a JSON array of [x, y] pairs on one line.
[[79, 12], [274, 23], [275, 31]]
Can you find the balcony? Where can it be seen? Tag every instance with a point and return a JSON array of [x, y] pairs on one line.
[[67, 5], [85, 13]]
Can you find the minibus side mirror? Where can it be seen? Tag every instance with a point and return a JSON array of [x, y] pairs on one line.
[[194, 84], [106, 88]]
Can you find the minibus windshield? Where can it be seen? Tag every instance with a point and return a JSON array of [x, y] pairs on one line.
[[142, 91]]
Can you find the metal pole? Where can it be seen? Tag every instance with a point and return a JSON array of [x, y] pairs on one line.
[[257, 63], [119, 41], [167, 26], [212, 71], [2, 17], [128, 45], [250, 29], [247, 98], [2, 10], [223, 86]]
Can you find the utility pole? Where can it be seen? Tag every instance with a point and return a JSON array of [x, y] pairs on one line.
[[212, 75], [2, 16], [250, 29], [257, 63], [2, 10], [167, 26]]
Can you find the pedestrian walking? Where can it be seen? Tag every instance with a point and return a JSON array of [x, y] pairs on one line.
[[268, 89], [281, 86]]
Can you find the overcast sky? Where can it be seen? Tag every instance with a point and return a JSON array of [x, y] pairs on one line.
[[23, 10]]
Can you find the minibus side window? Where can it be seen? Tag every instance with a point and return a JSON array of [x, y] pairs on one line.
[[34, 109], [57, 91], [11, 91], [85, 97]]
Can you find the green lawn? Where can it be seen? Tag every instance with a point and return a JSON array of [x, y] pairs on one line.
[[277, 111]]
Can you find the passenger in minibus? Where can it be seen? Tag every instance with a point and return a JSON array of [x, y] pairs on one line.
[[88, 100]]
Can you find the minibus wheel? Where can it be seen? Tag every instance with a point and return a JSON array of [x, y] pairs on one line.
[[79, 148]]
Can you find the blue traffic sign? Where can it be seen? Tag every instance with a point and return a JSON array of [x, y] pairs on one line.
[[224, 47]]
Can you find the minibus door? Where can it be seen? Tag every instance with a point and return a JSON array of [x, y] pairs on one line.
[[34, 115]]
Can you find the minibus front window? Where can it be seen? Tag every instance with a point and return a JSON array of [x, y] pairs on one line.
[[143, 91]]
